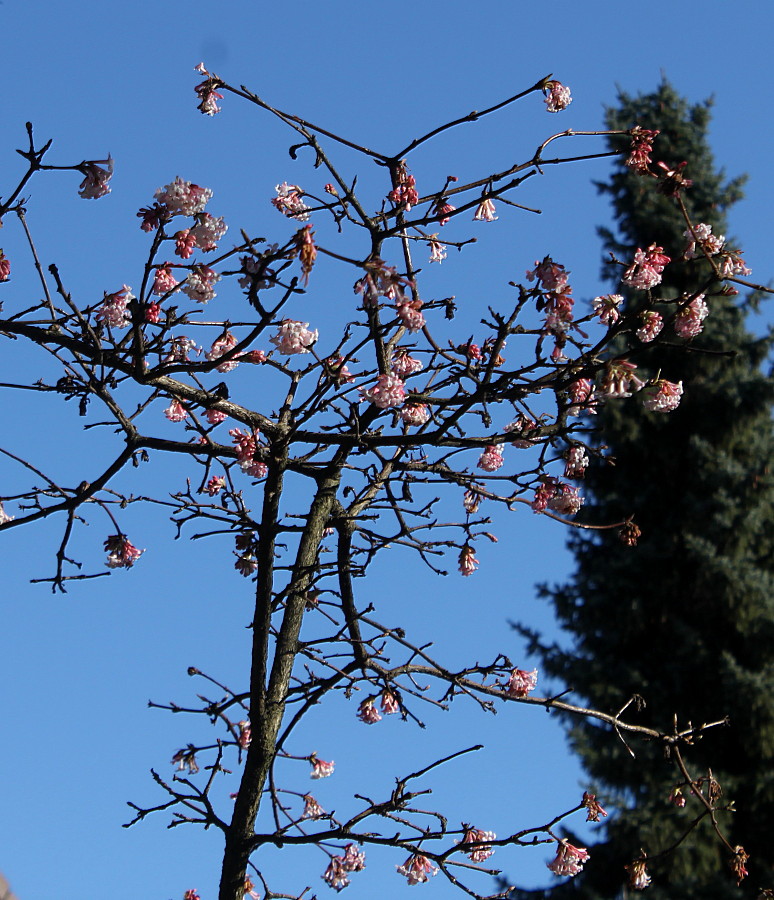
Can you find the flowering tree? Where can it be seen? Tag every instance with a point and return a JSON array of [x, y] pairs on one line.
[[385, 430]]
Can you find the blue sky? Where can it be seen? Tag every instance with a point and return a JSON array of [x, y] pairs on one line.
[[77, 670]]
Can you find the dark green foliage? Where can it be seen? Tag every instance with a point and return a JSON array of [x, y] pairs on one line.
[[685, 619]]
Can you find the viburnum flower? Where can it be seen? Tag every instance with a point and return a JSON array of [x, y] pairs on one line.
[[688, 322], [207, 231], [521, 427], [186, 759], [642, 145], [220, 347], [207, 93], [409, 312], [381, 280], [153, 216], [248, 889], [368, 713], [294, 337], [164, 281], [320, 768], [179, 349], [183, 198], [122, 554], [96, 178], [245, 734], [732, 264], [403, 364], [404, 193], [415, 414], [566, 500], [246, 564], [191, 895], [417, 869], [707, 241], [199, 284], [594, 810], [388, 391], [569, 860], [652, 323], [672, 181], [485, 212], [215, 485], [576, 462], [646, 270], [390, 702], [152, 312], [607, 308], [520, 683], [491, 459], [442, 210], [437, 250], [312, 809], [582, 397], [478, 854], [619, 377], [471, 501], [113, 311], [288, 201], [638, 877], [335, 875], [354, 859], [185, 243], [215, 416], [5, 266], [543, 493], [4, 516], [467, 561], [176, 412], [557, 97], [549, 275], [246, 444], [662, 395], [257, 274], [337, 371]]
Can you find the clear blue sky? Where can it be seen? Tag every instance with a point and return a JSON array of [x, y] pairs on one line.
[[78, 669]]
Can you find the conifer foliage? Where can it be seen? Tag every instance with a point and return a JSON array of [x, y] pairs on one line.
[[683, 622]]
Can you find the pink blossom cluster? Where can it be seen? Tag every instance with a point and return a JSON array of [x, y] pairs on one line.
[[245, 734], [593, 809], [220, 347], [479, 852], [246, 448], [557, 96], [368, 713], [403, 364], [176, 412], [415, 414], [335, 875], [485, 211], [607, 308], [619, 378], [651, 326], [688, 322], [215, 485], [4, 516], [336, 370], [205, 234], [199, 285], [557, 496], [97, 174], [442, 210], [294, 337], [472, 500], [207, 93], [491, 459], [576, 462], [520, 683], [320, 768], [122, 554], [550, 276], [256, 273], [5, 266], [732, 264], [191, 895], [164, 280], [638, 876], [646, 270], [183, 198], [114, 311], [641, 148], [701, 240], [389, 391], [288, 201], [417, 869], [569, 859], [246, 563], [583, 399], [662, 395], [467, 562], [404, 193], [410, 314], [179, 349], [437, 249], [312, 809]]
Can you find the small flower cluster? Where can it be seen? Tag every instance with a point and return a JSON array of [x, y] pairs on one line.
[[521, 427], [467, 561], [5, 266], [688, 322], [646, 270], [520, 683], [557, 96], [619, 378], [662, 395], [404, 193], [335, 875], [246, 448], [122, 554], [220, 347], [183, 198], [389, 391], [417, 869], [638, 877], [651, 326], [4, 516], [199, 285], [576, 462], [97, 174], [381, 280], [641, 148], [294, 337], [320, 768], [207, 93], [593, 809], [607, 308], [569, 859], [186, 760], [701, 240], [288, 201], [415, 414], [485, 211], [583, 399], [246, 563], [114, 311], [478, 853]]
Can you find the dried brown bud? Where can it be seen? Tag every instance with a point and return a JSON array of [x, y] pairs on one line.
[[629, 533]]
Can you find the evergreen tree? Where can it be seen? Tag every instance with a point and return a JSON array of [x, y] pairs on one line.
[[686, 618]]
